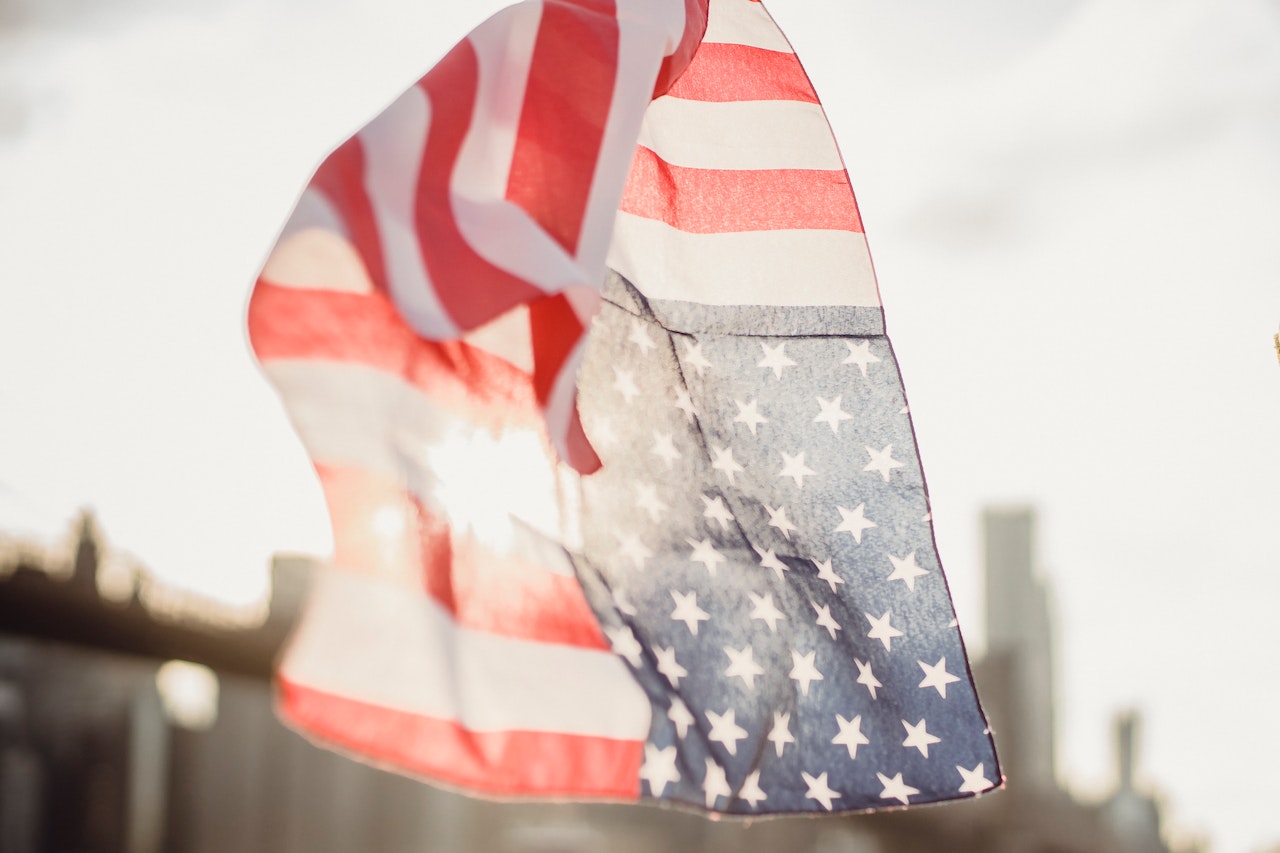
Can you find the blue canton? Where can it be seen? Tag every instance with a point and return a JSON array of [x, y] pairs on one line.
[[758, 548]]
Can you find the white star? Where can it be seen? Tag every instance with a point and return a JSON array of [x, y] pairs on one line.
[[906, 570], [625, 384], [602, 434], [625, 644], [937, 676], [742, 664], [725, 463], [867, 678], [974, 781], [896, 789], [825, 619], [850, 735], [832, 414], [694, 358], [775, 359], [659, 768], [620, 602], [647, 499], [765, 611], [860, 355], [794, 467], [778, 518], [704, 553], [780, 734], [748, 414], [803, 670], [818, 790], [853, 521], [725, 730], [714, 509], [633, 549], [826, 573], [640, 336], [751, 791], [919, 737], [685, 403], [769, 560], [668, 665], [882, 630], [882, 461], [664, 447], [715, 784], [679, 716], [688, 611]]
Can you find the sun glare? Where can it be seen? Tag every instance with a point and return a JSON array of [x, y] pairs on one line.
[[388, 523], [486, 481]]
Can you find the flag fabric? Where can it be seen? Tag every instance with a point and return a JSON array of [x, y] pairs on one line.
[[583, 339]]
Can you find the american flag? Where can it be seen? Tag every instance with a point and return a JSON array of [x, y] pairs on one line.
[[685, 556]]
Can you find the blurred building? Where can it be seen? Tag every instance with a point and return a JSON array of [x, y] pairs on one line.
[[1017, 671], [106, 746]]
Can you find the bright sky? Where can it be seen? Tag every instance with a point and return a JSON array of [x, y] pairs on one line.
[[1073, 208]]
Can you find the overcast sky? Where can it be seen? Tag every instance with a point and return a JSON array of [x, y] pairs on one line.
[[1073, 206]]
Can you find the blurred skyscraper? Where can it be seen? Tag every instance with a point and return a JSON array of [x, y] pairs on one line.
[[1019, 648]]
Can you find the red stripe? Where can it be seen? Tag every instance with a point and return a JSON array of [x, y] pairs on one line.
[[695, 25], [576, 447], [340, 179], [716, 201], [738, 72], [556, 331], [472, 290], [566, 107], [381, 529], [365, 329], [496, 763]]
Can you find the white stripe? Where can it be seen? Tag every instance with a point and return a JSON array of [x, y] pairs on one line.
[[585, 301], [740, 135], [508, 337], [789, 267], [744, 22], [667, 16], [501, 487], [314, 210], [371, 642], [314, 251], [393, 144]]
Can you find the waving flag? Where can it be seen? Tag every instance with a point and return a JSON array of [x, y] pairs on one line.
[[685, 556]]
